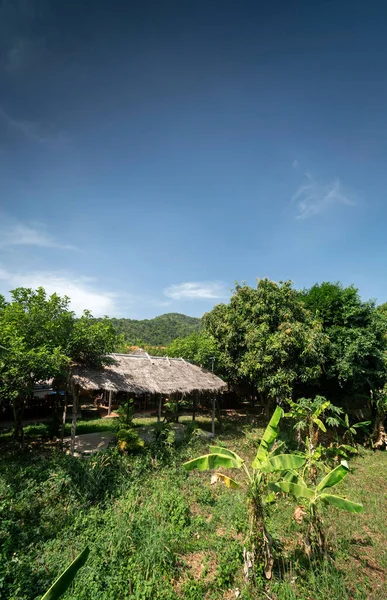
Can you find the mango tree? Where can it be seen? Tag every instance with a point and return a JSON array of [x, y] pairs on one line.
[[315, 498], [266, 461]]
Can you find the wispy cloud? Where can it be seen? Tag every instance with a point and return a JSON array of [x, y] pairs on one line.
[[20, 234], [83, 291], [315, 197], [196, 290], [295, 164], [20, 45], [32, 130]]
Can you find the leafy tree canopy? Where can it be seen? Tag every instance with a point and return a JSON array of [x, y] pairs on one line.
[[268, 338]]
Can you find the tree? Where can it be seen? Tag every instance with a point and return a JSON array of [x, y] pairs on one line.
[[33, 333], [199, 348], [357, 333], [40, 337], [267, 339]]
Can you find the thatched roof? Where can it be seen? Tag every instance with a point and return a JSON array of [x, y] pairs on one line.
[[144, 374]]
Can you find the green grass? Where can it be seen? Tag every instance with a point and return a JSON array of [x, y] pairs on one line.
[[156, 531]]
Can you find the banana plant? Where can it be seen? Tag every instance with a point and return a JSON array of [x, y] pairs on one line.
[[310, 415], [64, 581], [351, 430], [316, 498], [266, 461]]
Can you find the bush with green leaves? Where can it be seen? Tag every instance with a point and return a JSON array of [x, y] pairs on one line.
[[126, 413], [129, 441]]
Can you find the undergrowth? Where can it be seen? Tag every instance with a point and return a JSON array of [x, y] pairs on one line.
[[155, 531]]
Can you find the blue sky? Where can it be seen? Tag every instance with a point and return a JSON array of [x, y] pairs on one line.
[[152, 153]]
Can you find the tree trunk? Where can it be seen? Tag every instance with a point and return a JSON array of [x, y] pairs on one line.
[[379, 434], [267, 402], [18, 409], [74, 417], [262, 542], [64, 413]]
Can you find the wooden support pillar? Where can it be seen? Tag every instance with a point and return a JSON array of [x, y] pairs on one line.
[[74, 416], [194, 408], [159, 409], [110, 402], [213, 416]]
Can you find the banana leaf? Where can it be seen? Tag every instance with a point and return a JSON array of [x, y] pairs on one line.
[[226, 452], [322, 408], [282, 462], [342, 503], [268, 439], [299, 491], [319, 424], [63, 582], [334, 476], [230, 483], [212, 461]]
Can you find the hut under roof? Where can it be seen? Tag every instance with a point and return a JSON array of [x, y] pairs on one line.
[[144, 374]]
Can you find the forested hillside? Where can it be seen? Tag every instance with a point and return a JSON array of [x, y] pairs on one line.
[[159, 331]]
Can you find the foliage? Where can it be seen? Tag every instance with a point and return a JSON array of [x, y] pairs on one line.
[[163, 440], [315, 539], [39, 337], [126, 413], [266, 461], [309, 416], [129, 441], [160, 331], [155, 531], [351, 429], [267, 339], [90, 340], [66, 578], [357, 334]]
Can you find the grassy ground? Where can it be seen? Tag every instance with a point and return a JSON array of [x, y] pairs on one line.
[[155, 531]]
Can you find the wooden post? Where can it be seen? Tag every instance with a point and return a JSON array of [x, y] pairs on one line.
[[74, 416], [213, 417], [194, 407], [62, 430], [159, 411], [110, 402]]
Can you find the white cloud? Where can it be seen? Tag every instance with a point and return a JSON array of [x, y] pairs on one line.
[[196, 290], [315, 197], [295, 163], [20, 234], [83, 291]]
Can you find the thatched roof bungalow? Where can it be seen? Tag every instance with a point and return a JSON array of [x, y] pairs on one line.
[[144, 374]]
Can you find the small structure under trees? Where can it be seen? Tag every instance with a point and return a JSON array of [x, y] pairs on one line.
[[142, 374]]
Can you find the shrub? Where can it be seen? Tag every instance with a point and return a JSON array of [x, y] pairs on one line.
[[129, 441]]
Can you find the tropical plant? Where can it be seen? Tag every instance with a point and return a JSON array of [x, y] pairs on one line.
[[380, 404], [351, 429], [267, 460], [316, 498], [129, 441], [309, 416], [126, 413], [64, 581]]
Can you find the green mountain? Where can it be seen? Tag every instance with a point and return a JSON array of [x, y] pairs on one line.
[[159, 331]]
